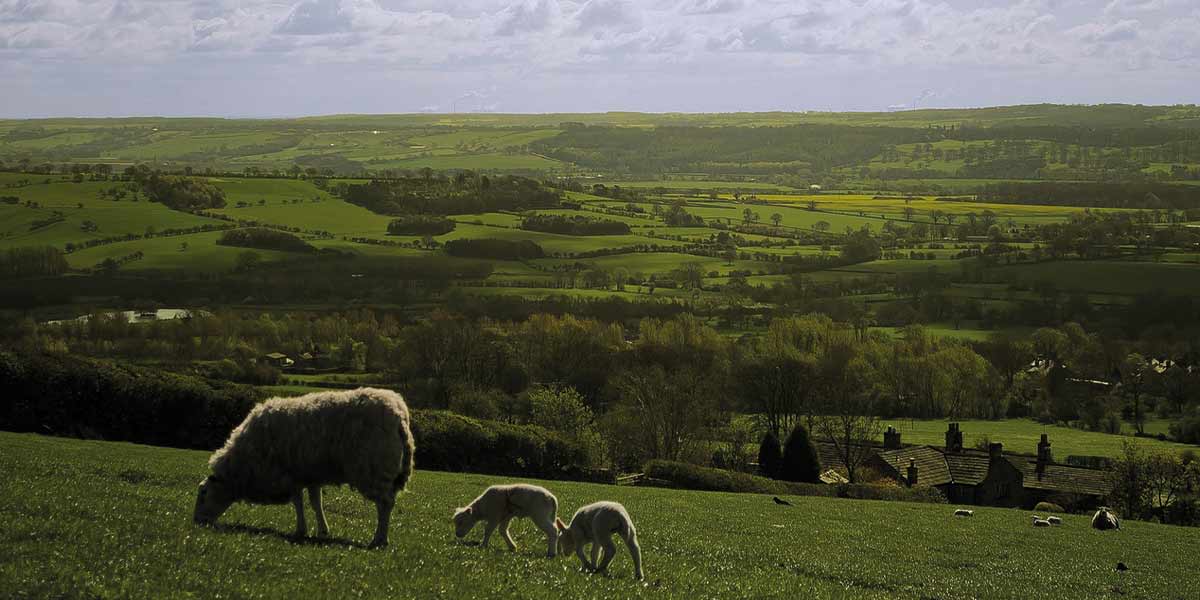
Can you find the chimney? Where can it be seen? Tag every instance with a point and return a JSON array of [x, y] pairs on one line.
[[912, 472], [995, 451], [1043, 455], [954, 438], [891, 439]]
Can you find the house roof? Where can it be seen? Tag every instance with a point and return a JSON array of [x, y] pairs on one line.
[[932, 468], [1062, 478]]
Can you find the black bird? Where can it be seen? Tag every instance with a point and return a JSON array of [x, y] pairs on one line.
[[1121, 567], [778, 501]]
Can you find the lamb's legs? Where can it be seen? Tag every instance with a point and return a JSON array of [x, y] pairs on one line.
[[487, 532], [610, 551], [314, 498], [512, 546], [551, 538], [301, 525], [595, 555], [384, 509], [587, 565], [636, 552]]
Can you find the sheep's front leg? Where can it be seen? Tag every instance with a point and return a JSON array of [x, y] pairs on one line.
[[595, 555], [587, 565], [487, 532], [301, 525], [512, 546], [610, 550], [551, 538], [383, 508], [314, 498]]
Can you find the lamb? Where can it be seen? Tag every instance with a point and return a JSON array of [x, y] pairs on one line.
[[500, 504], [1040, 522], [287, 445], [962, 512], [1055, 521], [595, 524], [1105, 519]]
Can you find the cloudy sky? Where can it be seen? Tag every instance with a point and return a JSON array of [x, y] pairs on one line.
[[286, 57]]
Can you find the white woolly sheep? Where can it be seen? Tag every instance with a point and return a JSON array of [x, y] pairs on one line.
[[595, 524], [1105, 519], [1056, 521], [962, 512], [500, 504], [287, 445], [1040, 522]]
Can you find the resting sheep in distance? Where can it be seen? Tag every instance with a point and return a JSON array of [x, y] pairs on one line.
[[1040, 522], [962, 512], [500, 504], [288, 445], [1056, 521], [1105, 519], [595, 524]]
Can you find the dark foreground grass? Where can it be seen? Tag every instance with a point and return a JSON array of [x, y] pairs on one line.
[[107, 520]]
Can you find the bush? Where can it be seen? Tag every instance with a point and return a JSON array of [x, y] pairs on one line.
[[1048, 507], [76, 397], [475, 402], [494, 249], [1187, 429], [574, 225], [264, 239], [692, 477], [770, 456], [800, 460], [420, 225]]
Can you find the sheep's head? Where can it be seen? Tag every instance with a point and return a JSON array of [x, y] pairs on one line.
[[212, 499], [566, 541], [464, 520]]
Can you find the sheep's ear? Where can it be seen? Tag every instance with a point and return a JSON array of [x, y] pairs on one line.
[[559, 524]]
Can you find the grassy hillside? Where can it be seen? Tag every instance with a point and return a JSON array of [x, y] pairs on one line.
[[97, 519], [1022, 435]]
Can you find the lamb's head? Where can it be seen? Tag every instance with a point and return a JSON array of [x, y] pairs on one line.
[[566, 541], [212, 500], [464, 520]]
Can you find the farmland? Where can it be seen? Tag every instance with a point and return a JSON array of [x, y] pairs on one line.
[[108, 519]]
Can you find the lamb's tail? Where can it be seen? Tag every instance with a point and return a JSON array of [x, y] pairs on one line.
[[408, 461]]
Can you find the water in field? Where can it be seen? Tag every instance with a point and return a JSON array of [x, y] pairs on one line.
[[137, 316]]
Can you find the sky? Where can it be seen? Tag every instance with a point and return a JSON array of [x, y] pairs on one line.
[[243, 58]]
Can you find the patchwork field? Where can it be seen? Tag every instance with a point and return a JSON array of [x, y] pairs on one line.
[[101, 519]]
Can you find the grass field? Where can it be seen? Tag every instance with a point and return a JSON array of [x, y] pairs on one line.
[[100, 519], [1109, 276], [1022, 435]]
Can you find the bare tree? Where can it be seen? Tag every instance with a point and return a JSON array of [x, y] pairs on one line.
[[850, 423]]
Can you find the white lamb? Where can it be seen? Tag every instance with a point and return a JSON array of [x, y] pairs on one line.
[[500, 504], [1056, 521], [288, 445], [962, 512], [1040, 522], [595, 524]]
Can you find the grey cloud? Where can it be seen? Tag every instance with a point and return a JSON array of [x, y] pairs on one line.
[[607, 14], [316, 17], [710, 7], [524, 17]]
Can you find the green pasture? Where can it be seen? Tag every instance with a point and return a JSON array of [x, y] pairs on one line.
[[201, 254], [658, 263], [104, 519], [1108, 276]]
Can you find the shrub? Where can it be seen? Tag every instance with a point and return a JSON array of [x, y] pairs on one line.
[[264, 239], [495, 249], [1187, 429], [1048, 507], [475, 402], [800, 460], [574, 225], [692, 477], [420, 225], [770, 456], [89, 398]]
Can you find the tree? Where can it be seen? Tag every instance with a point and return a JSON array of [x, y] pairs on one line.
[[1133, 375], [747, 216], [850, 424], [770, 456], [776, 218], [248, 260], [800, 459]]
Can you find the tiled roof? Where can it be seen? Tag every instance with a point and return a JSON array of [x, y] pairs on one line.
[[931, 464], [968, 467], [1062, 478]]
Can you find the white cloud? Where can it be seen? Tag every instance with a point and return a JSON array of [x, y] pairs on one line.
[[620, 15]]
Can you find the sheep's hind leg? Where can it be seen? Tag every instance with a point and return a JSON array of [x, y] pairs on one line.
[[314, 497], [383, 508], [551, 537], [636, 552], [512, 546], [301, 525]]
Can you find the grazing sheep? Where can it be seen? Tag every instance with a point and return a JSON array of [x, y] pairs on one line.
[[288, 445], [1055, 521], [595, 524], [962, 512], [1040, 522], [500, 504], [1105, 519]]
